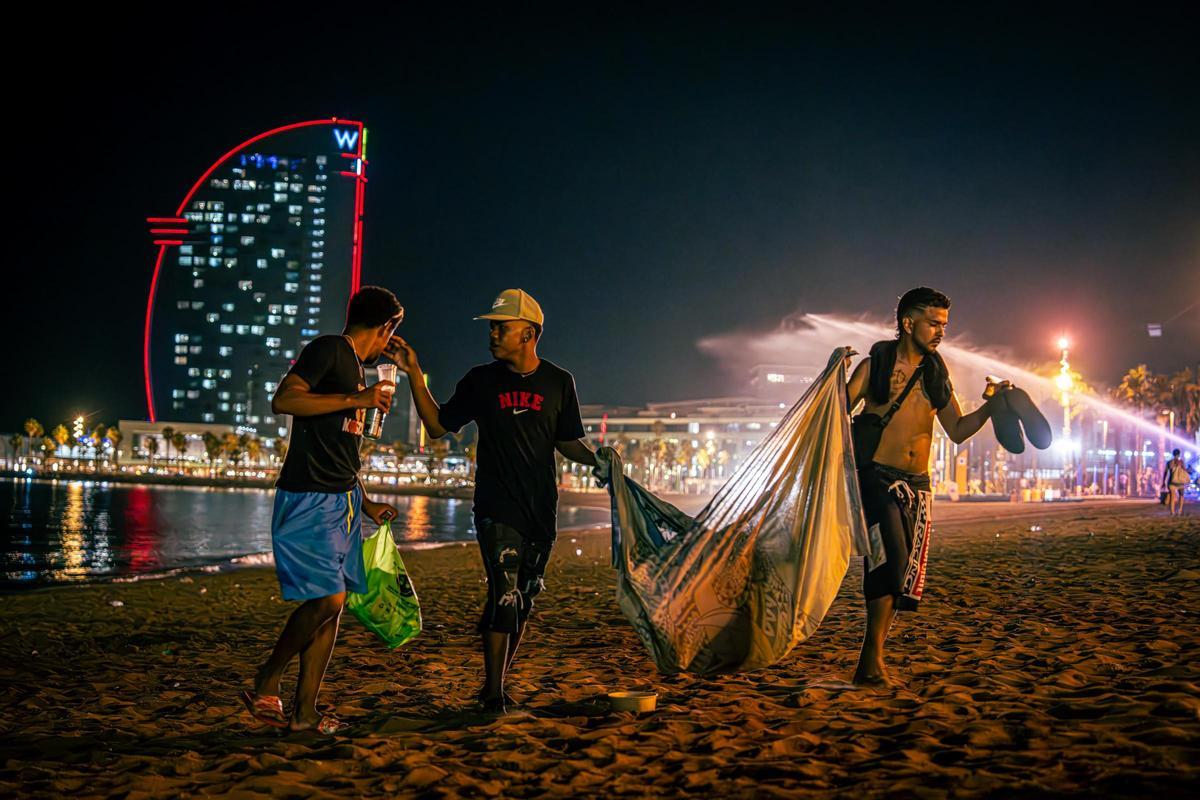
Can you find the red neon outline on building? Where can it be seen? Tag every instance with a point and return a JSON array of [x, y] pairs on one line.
[[168, 241], [146, 339], [355, 255], [169, 231]]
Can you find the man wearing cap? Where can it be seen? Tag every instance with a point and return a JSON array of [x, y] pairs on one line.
[[526, 408]]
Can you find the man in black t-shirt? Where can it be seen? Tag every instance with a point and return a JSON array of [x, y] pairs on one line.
[[316, 525], [526, 408]]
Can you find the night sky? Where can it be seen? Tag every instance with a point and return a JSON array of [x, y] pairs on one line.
[[650, 181]]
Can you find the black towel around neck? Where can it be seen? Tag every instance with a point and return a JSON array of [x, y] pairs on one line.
[[935, 377]]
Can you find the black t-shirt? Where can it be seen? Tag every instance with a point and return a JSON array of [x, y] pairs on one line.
[[323, 453], [520, 418]]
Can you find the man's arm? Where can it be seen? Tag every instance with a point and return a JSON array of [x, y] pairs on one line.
[[295, 397], [577, 450], [958, 426], [428, 410]]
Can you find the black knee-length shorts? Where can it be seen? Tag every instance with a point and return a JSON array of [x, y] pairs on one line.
[[515, 567]]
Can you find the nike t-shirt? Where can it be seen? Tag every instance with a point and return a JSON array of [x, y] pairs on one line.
[[322, 455], [520, 418]]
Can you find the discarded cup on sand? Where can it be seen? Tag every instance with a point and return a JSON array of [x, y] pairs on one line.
[[633, 701]]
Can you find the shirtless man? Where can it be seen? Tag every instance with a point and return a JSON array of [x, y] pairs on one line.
[[895, 484]]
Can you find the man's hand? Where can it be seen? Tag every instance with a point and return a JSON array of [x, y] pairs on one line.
[[379, 512], [995, 386], [377, 396], [403, 354]]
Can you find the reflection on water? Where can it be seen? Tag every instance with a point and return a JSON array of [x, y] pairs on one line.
[[60, 531]]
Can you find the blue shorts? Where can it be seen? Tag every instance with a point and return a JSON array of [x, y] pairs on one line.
[[317, 539]]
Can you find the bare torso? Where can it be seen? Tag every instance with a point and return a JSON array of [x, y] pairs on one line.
[[907, 438]]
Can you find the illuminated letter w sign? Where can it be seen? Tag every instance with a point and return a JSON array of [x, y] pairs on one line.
[[346, 140]]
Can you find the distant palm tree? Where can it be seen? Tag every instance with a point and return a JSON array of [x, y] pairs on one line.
[[14, 442], [179, 440], [99, 434], [232, 446], [114, 436], [168, 435], [213, 447], [150, 445], [61, 435], [33, 428], [48, 448], [1139, 389], [1181, 394]]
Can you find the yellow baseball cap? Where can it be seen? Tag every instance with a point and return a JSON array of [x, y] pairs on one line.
[[512, 304]]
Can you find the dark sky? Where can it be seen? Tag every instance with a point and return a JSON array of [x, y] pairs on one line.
[[650, 181]]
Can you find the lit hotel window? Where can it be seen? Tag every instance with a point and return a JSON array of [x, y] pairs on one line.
[[225, 350], [245, 286], [277, 252], [247, 240], [212, 316], [181, 360], [280, 197], [226, 328], [227, 307]]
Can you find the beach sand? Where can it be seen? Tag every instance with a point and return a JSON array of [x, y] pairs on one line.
[[1057, 652]]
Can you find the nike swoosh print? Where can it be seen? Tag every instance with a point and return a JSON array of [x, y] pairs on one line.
[[519, 411]]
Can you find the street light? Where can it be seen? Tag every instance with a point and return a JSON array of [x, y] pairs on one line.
[[1064, 382]]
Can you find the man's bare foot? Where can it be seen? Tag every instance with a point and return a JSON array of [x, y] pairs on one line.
[[264, 684], [492, 705], [482, 694], [872, 677]]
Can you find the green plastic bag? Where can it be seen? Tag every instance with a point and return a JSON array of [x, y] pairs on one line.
[[389, 607]]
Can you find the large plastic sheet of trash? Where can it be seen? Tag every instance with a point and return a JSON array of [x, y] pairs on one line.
[[753, 574]]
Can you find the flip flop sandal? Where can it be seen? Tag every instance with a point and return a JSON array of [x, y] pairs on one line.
[[1037, 429], [330, 725], [1005, 424], [267, 708]]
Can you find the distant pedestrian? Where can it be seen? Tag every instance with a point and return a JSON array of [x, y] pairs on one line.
[[1175, 480]]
